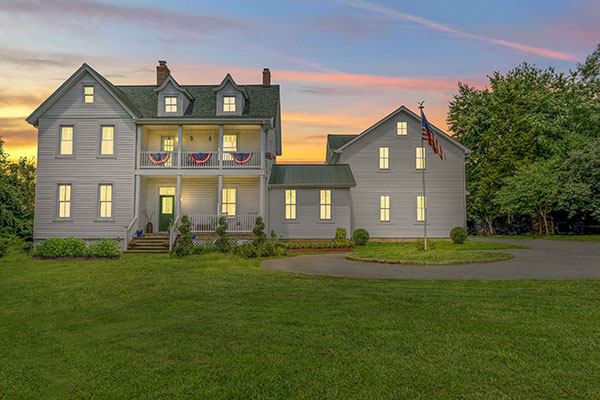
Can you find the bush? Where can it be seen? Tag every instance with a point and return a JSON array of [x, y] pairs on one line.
[[360, 236], [223, 243], [75, 248], [184, 245], [206, 246], [267, 249], [4, 242], [420, 244], [247, 250], [458, 235], [340, 234], [105, 248], [259, 231]]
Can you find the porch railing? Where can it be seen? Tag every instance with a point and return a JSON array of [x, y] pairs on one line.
[[208, 223], [158, 159], [173, 233], [129, 232], [190, 159]]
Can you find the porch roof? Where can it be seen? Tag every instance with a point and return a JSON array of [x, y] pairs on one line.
[[335, 175]]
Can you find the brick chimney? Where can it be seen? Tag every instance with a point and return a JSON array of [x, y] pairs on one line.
[[161, 72], [266, 77]]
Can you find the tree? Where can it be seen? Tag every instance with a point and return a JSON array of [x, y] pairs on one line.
[[533, 188]]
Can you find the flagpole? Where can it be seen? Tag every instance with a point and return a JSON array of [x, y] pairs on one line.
[[424, 193]]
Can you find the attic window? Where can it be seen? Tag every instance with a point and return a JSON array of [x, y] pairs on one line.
[[229, 104], [88, 94], [170, 104], [401, 128]]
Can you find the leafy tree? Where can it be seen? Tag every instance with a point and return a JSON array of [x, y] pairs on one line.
[[533, 188]]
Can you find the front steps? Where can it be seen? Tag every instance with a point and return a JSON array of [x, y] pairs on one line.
[[153, 243]]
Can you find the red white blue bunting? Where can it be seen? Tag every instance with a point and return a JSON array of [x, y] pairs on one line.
[[201, 158], [159, 158], [241, 158]]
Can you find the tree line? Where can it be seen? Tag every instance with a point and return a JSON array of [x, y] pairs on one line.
[[535, 137]]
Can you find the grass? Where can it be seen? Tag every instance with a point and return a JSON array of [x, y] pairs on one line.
[[214, 326], [567, 238], [444, 252]]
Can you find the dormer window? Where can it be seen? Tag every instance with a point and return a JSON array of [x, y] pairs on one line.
[[88, 94], [228, 103], [170, 104]]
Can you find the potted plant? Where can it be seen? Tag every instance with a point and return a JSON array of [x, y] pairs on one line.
[[149, 223], [138, 233]]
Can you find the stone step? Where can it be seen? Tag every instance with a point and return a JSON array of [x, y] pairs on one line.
[[146, 251]]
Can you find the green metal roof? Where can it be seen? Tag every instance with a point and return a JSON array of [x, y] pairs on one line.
[[312, 175], [337, 141], [263, 101]]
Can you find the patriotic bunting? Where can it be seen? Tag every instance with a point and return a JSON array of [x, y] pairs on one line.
[[201, 158], [159, 158], [241, 158], [269, 156], [428, 135]]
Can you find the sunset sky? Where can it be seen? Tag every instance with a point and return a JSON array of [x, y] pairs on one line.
[[342, 64]]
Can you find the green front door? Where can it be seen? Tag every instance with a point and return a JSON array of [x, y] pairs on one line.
[[167, 205]]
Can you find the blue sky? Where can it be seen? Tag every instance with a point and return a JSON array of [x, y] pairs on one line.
[[342, 64]]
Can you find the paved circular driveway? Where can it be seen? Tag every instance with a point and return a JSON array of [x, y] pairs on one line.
[[547, 259]]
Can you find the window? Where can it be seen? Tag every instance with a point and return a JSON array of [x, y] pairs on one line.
[[421, 208], [107, 141], [229, 205], [88, 94], [420, 157], [105, 209], [384, 208], [66, 140], [325, 204], [401, 129], [384, 158], [229, 104], [229, 145], [170, 104], [167, 143], [290, 204], [64, 201], [166, 191]]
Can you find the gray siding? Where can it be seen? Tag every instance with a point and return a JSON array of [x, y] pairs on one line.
[[308, 224], [85, 170], [403, 182]]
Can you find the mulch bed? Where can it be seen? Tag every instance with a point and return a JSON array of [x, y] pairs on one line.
[[320, 250], [76, 258]]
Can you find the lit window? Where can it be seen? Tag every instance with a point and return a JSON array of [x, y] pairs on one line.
[[325, 204], [401, 129], [384, 208], [384, 158], [66, 140], [166, 191], [105, 201], [107, 142], [64, 201], [229, 203], [88, 94], [229, 104], [421, 208], [170, 104], [420, 157], [290, 204], [229, 145], [167, 143]]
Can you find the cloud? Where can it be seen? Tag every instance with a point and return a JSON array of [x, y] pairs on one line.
[[324, 119], [353, 27], [17, 134], [376, 8]]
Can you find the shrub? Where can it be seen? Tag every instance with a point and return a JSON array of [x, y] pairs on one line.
[[340, 234], [223, 243], [206, 246], [59, 247], [458, 235], [75, 247], [259, 231], [104, 248], [420, 244], [3, 246], [266, 249], [184, 246], [247, 250], [360, 236]]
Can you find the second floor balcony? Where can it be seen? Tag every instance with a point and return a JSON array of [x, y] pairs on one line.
[[201, 147]]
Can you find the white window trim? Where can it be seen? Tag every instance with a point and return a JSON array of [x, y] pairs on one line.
[[59, 142], [57, 201], [112, 201], [170, 105], [114, 153], [93, 95], [293, 205], [330, 204], [226, 96], [223, 203], [404, 129], [387, 159]]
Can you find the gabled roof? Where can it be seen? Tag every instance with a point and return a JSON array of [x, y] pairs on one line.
[[337, 175], [336, 141], [229, 79], [393, 114], [172, 80], [118, 95]]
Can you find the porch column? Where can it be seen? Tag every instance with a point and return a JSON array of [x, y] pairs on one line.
[[220, 147], [179, 140], [178, 197], [138, 146], [220, 195], [261, 207], [138, 185], [262, 147]]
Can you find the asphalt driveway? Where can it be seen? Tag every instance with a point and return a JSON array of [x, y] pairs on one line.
[[547, 259]]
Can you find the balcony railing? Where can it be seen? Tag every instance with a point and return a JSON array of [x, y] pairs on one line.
[[208, 223], [189, 159]]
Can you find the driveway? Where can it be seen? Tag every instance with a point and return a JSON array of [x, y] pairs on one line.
[[547, 259]]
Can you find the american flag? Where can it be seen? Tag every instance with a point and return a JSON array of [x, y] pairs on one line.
[[428, 135]]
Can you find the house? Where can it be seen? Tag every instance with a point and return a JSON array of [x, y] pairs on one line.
[[116, 159]]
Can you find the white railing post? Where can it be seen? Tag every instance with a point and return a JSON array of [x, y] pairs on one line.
[[179, 140]]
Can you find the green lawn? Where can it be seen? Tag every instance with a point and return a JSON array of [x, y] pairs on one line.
[[212, 326], [443, 251], [573, 238]]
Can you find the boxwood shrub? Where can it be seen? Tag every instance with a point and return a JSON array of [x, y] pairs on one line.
[[458, 235], [104, 248], [72, 247], [360, 236]]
